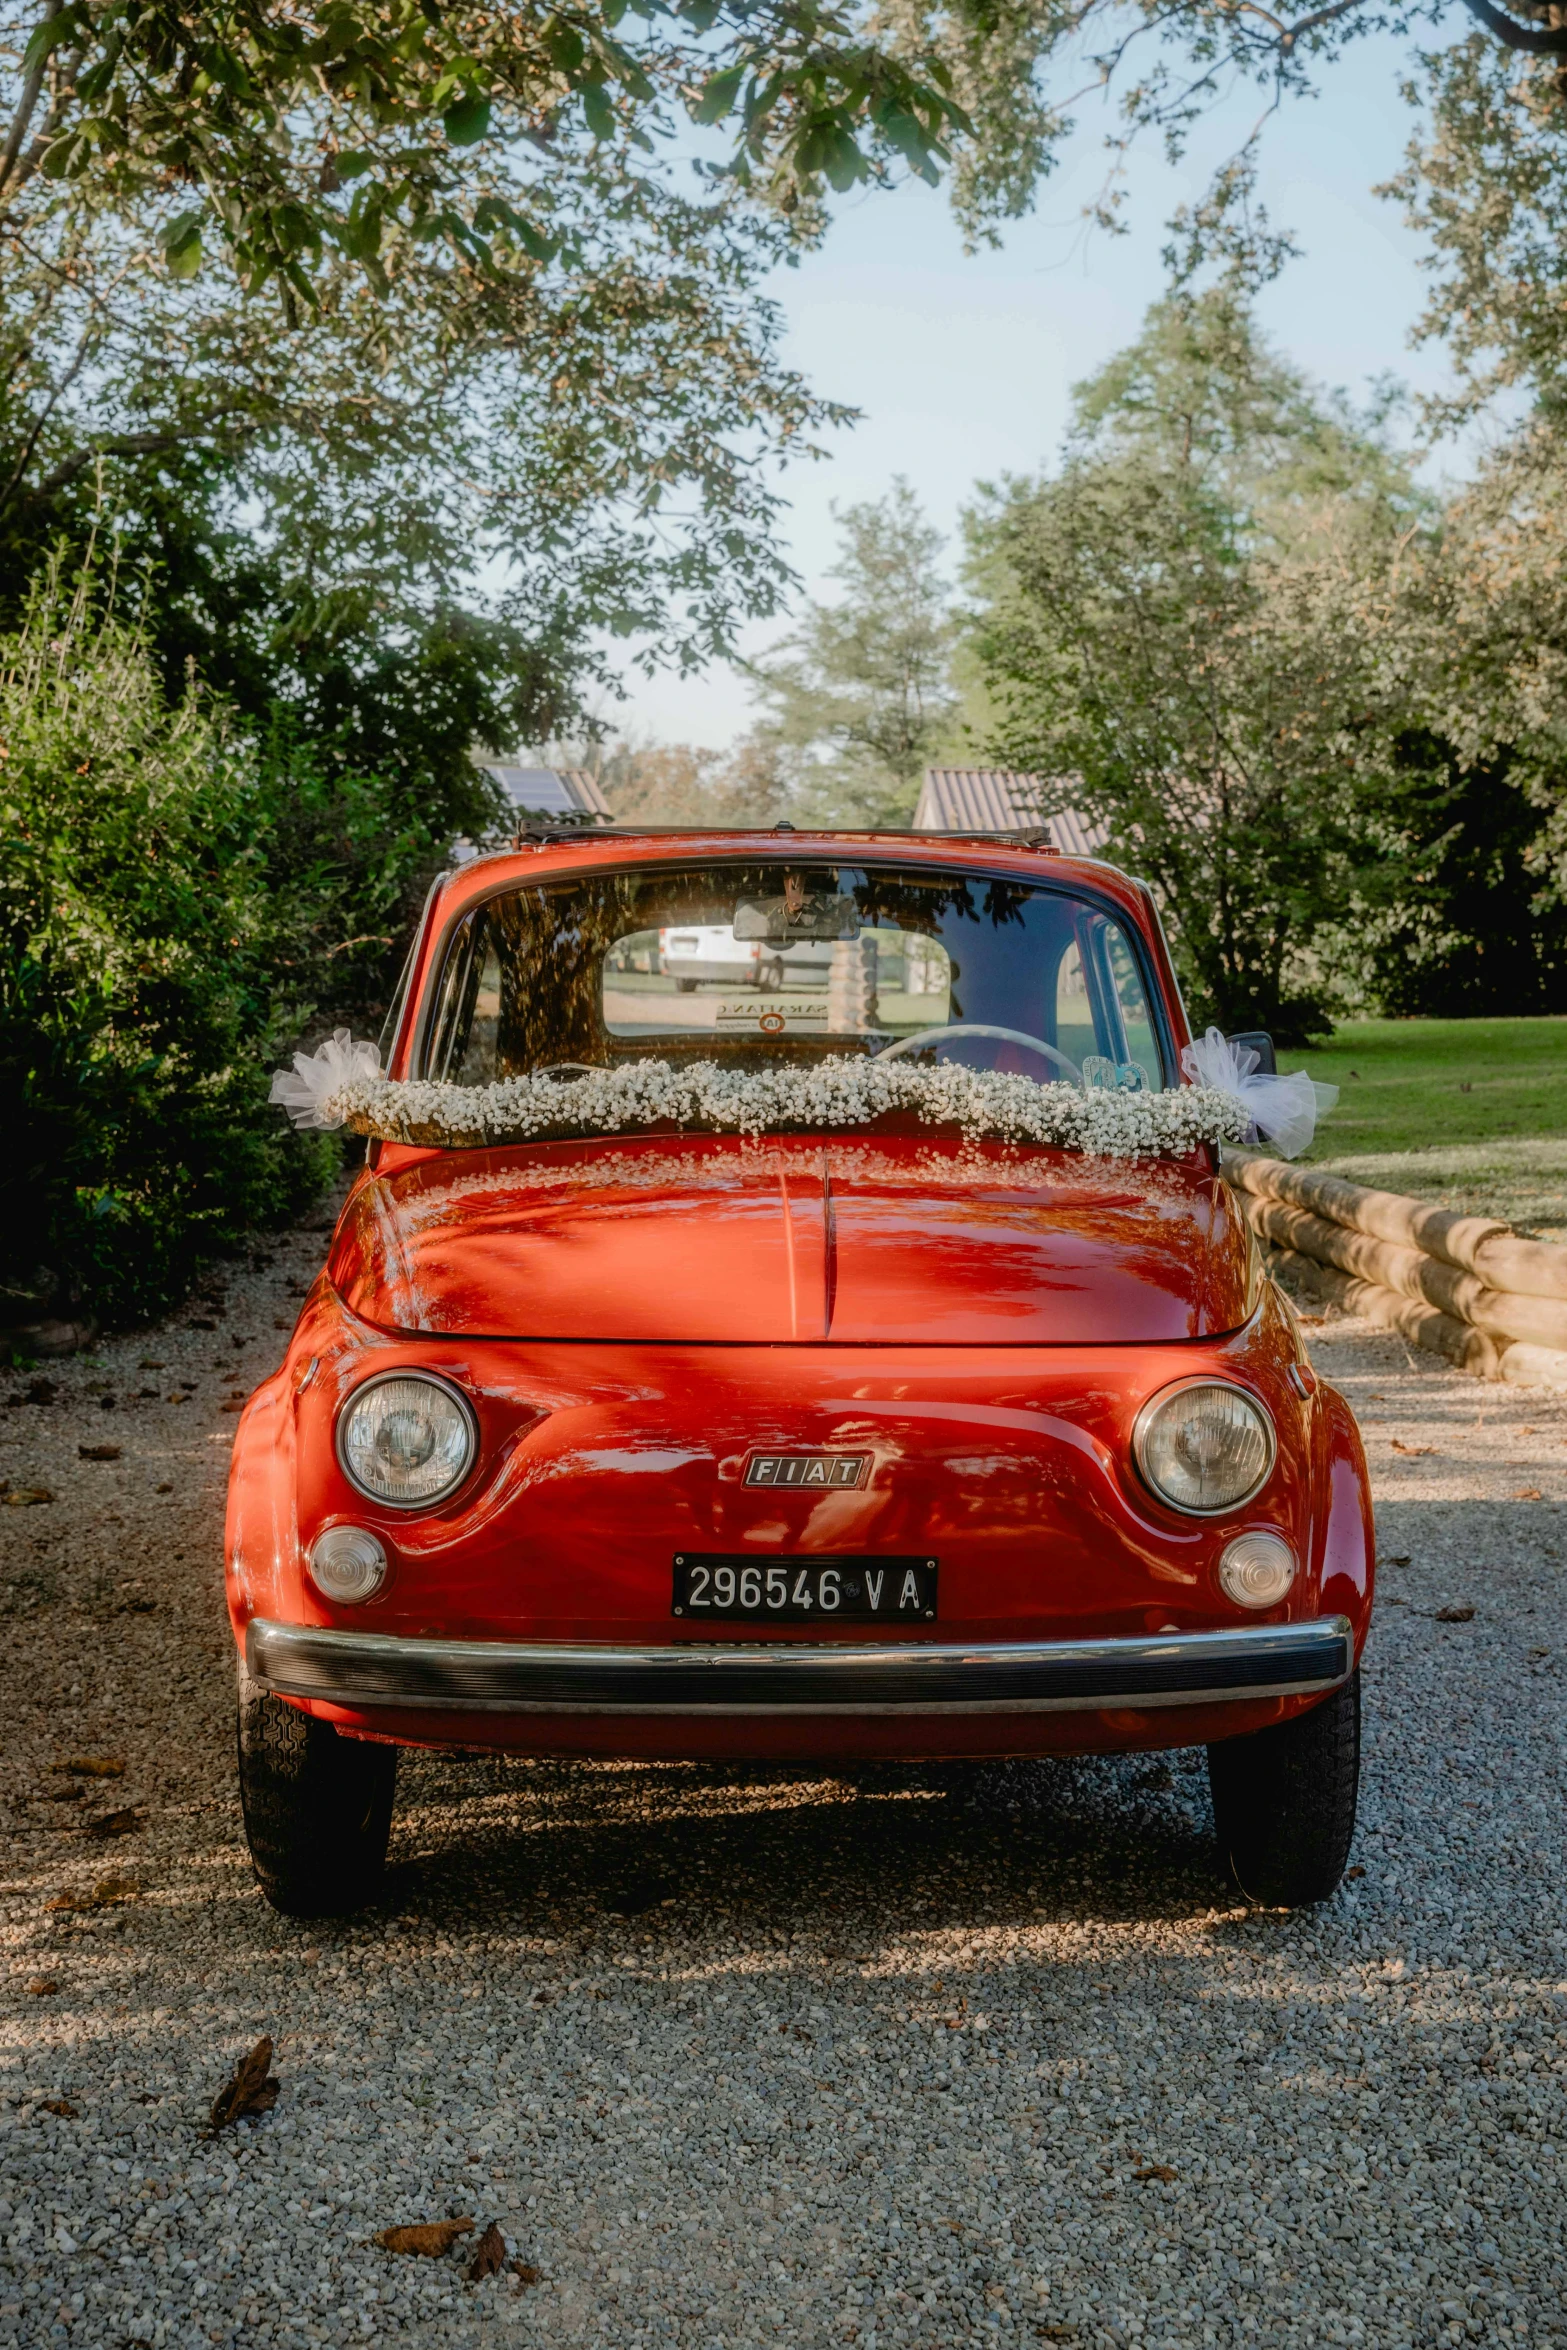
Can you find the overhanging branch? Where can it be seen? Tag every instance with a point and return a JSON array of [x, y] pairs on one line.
[[1534, 40]]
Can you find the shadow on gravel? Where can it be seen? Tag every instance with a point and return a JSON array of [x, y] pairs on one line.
[[902, 1847]]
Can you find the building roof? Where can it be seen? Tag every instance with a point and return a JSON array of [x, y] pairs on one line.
[[550, 791], [999, 799]]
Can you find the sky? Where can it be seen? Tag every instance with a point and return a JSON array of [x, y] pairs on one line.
[[962, 364]]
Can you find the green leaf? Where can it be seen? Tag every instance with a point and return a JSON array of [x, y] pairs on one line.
[[467, 121], [187, 260], [600, 113], [46, 36], [65, 158], [842, 161], [720, 94]]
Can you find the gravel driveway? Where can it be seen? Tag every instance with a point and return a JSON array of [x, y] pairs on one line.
[[936, 2056]]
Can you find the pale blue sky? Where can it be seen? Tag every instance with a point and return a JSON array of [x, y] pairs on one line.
[[963, 364]]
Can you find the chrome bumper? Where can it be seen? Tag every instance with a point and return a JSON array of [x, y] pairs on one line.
[[359, 1669]]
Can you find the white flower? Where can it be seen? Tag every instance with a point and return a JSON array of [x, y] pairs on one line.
[[833, 1093]]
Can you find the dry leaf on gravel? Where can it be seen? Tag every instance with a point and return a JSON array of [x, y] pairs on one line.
[[26, 1497], [62, 2106], [97, 1452], [92, 1766], [1414, 1452], [63, 1795], [525, 2272], [252, 2087], [1356, 1871], [431, 2238], [103, 1895], [1455, 1615], [42, 1987], [1156, 2170], [1527, 1493], [129, 1822], [489, 2254], [232, 1405]]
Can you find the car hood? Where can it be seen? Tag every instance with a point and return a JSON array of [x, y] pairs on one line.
[[863, 1242]]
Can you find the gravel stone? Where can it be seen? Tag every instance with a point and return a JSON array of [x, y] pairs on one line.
[[927, 2055]]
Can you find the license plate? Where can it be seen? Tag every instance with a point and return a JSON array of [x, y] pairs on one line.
[[715, 1586]]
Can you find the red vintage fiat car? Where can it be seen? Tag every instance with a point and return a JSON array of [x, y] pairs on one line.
[[791, 1307]]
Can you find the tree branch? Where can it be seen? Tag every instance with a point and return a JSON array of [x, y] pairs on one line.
[[1534, 40], [28, 102]]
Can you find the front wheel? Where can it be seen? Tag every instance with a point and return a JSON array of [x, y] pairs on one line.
[[1284, 1801], [317, 1806]]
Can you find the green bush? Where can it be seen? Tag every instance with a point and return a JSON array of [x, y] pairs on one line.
[[140, 1004]]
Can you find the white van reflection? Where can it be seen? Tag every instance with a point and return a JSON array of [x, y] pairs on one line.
[[709, 952]]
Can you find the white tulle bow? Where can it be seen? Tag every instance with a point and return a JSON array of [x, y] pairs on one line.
[[1285, 1109], [306, 1092]]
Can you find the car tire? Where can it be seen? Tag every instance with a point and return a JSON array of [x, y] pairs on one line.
[[1284, 1801], [318, 1807]]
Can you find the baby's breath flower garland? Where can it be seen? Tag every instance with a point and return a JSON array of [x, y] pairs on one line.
[[833, 1093]]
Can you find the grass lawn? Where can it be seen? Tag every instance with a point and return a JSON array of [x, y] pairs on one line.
[[1471, 1112]]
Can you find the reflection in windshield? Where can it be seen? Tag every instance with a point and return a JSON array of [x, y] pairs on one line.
[[760, 964]]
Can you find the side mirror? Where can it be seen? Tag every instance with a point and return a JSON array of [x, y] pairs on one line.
[[1261, 1043]]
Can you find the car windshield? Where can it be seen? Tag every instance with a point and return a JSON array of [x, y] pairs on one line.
[[757, 964]]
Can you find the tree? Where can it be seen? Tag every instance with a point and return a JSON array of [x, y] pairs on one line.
[[1181, 627], [412, 294], [144, 980], [858, 699]]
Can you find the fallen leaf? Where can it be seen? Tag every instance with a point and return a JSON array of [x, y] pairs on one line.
[[62, 2106], [129, 1822], [42, 1987], [1527, 1493], [1414, 1451], [103, 1895], [63, 1795], [1535, 1654], [199, 1322], [1401, 1560], [1455, 1615], [232, 1405], [252, 2088], [92, 1766], [525, 2272], [163, 1489], [432, 2237], [1156, 2170], [97, 1452], [1356, 1871], [489, 2255], [26, 1497], [150, 1363]]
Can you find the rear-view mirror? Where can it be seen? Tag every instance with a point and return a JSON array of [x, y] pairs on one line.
[[798, 914]]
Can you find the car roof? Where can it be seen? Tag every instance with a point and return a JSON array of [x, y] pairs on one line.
[[535, 854]]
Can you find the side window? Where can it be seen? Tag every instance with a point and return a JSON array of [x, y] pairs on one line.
[[467, 1012], [1075, 1032], [1139, 1041]]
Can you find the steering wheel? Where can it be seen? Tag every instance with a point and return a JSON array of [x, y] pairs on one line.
[[1035, 1044]]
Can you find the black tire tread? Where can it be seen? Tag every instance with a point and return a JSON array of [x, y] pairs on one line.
[[317, 1807], [1284, 1801]]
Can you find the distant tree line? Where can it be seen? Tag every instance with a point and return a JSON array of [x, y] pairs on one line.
[[1318, 704]]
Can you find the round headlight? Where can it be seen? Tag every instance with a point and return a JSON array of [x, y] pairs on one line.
[[1203, 1446], [406, 1438], [1256, 1570], [347, 1564]]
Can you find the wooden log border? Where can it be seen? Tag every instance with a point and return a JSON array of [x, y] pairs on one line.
[[1465, 1287]]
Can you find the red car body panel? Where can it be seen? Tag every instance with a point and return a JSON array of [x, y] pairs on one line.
[[631, 1319], [898, 1241]]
